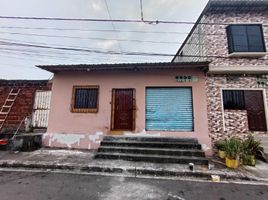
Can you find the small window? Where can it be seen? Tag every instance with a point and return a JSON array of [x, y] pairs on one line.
[[85, 99], [234, 99], [245, 38]]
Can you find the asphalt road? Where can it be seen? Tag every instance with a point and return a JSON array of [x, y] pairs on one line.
[[52, 186]]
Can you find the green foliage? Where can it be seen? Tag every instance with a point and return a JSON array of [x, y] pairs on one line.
[[247, 149], [252, 147], [220, 145], [233, 148], [249, 160]]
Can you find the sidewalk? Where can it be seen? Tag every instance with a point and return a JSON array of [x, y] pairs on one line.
[[83, 161]]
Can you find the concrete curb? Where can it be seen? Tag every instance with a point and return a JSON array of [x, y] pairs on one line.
[[130, 171]]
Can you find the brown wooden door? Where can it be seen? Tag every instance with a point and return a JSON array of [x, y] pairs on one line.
[[123, 109], [255, 109]]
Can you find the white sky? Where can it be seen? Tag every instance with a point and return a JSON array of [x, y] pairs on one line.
[[18, 62]]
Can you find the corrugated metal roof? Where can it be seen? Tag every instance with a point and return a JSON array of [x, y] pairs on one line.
[[123, 66]]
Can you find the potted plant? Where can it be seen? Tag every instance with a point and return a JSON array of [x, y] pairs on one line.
[[221, 146], [251, 148], [233, 151]]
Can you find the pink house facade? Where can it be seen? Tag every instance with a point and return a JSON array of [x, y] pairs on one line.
[[160, 99], [215, 87]]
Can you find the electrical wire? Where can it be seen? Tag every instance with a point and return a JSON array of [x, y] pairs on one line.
[[84, 50], [94, 30], [141, 8], [110, 17], [118, 53], [111, 20], [89, 38]]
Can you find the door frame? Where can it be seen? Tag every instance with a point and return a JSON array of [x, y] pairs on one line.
[[113, 109], [249, 89]]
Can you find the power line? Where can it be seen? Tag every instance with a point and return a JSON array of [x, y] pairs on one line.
[[21, 58], [64, 53], [38, 53], [110, 17], [41, 43], [121, 53], [94, 30], [89, 38], [89, 20], [86, 50], [141, 8], [26, 52], [110, 20], [97, 38]]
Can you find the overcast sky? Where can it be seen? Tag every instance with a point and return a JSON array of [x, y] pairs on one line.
[[19, 62]]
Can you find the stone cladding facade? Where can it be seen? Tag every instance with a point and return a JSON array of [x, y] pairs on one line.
[[226, 123], [209, 40]]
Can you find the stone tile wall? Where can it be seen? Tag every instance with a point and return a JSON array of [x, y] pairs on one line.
[[216, 37], [229, 122]]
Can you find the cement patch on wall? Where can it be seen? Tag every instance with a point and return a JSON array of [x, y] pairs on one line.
[[74, 141]]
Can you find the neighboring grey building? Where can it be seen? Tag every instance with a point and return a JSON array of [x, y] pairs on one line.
[[233, 36]]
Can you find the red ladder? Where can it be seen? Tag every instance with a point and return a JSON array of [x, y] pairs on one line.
[[6, 108]]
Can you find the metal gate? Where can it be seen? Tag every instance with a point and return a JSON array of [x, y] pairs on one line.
[[169, 109], [41, 109]]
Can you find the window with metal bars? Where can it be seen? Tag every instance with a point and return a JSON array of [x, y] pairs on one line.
[[85, 99], [245, 38], [233, 99]]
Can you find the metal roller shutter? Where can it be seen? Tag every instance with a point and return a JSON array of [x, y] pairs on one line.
[[169, 109]]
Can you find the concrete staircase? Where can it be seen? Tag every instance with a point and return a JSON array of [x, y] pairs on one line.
[[152, 149]]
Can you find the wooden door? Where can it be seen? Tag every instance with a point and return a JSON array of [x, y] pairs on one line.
[[255, 109], [123, 107]]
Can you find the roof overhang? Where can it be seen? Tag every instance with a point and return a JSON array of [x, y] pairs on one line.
[[124, 67], [237, 5]]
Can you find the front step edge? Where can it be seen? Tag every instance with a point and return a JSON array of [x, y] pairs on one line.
[[153, 158]]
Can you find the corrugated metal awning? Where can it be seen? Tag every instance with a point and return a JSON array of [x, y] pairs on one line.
[[124, 66]]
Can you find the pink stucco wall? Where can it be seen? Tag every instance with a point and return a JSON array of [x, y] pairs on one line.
[[85, 130]]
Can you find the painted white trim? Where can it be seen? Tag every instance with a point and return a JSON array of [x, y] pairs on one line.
[[243, 88], [222, 108], [252, 89], [247, 54], [244, 23], [265, 106], [234, 69]]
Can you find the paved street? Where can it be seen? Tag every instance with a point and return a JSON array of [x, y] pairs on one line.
[[41, 186]]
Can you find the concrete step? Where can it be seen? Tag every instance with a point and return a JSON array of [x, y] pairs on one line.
[[153, 158], [265, 149], [173, 145], [150, 139], [152, 151], [261, 137], [264, 142]]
